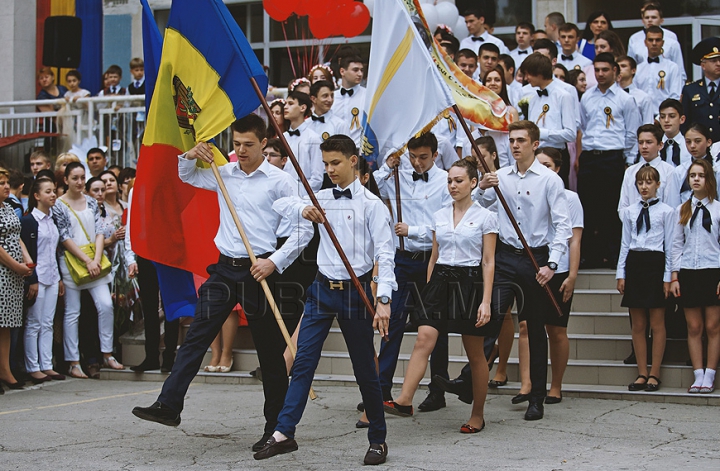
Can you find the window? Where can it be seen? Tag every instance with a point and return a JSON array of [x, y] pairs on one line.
[[630, 10]]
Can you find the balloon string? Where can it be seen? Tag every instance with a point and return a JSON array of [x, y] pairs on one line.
[[287, 45]]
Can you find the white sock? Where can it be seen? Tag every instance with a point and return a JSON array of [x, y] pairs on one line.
[[709, 378], [699, 374], [279, 437]]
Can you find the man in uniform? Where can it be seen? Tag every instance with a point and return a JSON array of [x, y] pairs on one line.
[[701, 99]]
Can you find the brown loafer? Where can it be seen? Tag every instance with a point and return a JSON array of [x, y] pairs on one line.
[[273, 448], [376, 454]]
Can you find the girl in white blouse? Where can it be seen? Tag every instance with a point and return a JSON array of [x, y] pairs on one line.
[[696, 271], [643, 273], [455, 298]]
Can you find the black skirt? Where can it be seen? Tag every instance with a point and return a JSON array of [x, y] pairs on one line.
[[451, 300], [698, 288], [644, 280]]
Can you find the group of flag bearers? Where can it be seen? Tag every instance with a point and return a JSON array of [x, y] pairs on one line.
[[454, 261]]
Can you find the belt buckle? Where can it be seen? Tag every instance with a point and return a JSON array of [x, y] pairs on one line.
[[597, 152], [416, 255], [339, 285], [236, 262]]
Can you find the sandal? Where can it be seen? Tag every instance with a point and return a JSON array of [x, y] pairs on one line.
[[635, 386], [493, 383], [467, 428], [112, 363], [652, 387], [210, 368], [694, 389], [79, 375], [707, 389]]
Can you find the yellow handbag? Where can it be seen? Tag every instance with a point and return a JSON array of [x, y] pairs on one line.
[[77, 268]]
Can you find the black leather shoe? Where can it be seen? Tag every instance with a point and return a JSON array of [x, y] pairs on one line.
[[535, 411], [158, 413], [520, 398], [361, 407], [273, 448], [455, 386], [433, 401], [361, 424], [376, 454], [145, 366], [261, 443], [630, 360], [553, 399], [393, 408]]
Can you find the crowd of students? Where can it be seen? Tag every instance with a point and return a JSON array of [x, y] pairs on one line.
[[613, 123]]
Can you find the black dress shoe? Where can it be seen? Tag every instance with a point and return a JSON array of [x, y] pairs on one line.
[[433, 401], [361, 407], [376, 454], [145, 366], [361, 424], [535, 411], [553, 399], [455, 386], [393, 408], [15, 385], [520, 398], [35, 380], [273, 448], [158, 413], [261, 443], [630, 360]]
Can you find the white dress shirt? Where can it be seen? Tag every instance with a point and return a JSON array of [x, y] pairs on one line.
[[328, 125], [694, 248], [648, 75], [419, 201], [462, 245], [658, 239], [519, 55], [685, 156], [577, 220], [306, 148], [253, 196], [555, 115], [573, 61], [629, 194], [350, 109], [474, 45], [537, 200], [671, 49], [48, 237], [502, 144], [674, 194], [644, 104], [622, 131], [447, 155], [363, 229], [514, 91]]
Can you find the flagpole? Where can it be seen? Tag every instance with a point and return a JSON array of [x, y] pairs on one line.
[[253, 259], [505, 206], [397, 202], [353, 277]]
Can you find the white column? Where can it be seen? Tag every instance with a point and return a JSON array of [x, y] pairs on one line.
[[544, 7], [17, 55]]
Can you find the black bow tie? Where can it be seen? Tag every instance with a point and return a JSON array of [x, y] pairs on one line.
[[566, 58], [543, 92], [654, 59], [675, 151], [347, 91], [420, 176], [627, 90], [522, 52], [318, 118], [294, 133], [644, 216], [478, 38], [340, 193], [706, 219]]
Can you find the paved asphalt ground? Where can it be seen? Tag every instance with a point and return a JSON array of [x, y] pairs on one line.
[[87, 425]]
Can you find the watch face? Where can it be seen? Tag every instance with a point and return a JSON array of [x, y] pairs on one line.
[[384, 299]]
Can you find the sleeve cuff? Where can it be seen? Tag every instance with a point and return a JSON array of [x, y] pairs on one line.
[[667, 277], [280, 262], [413, 232], [544, 134], [384, 289], [555, 256]]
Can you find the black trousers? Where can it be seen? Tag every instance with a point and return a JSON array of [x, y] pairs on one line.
[[227, 286], [515, 279], [149, 295], [599, 182]]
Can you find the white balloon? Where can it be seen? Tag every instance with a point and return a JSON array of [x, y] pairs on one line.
[[447, 13], [370, 4], [431, 17], [460, 30]]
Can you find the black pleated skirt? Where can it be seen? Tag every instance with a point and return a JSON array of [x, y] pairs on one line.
[[644, 280], [698, 288]]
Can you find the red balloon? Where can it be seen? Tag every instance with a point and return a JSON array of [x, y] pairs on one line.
[[316, 7], [301, 7], [278, 10], [322, 26], [356, 20]]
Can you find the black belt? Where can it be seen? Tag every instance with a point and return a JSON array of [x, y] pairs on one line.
[[451, 271], [604, 152], [240, 262], [536, 250], [424, 256], [341, 284]]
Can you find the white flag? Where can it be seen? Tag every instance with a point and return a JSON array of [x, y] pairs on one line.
[[405, 94]]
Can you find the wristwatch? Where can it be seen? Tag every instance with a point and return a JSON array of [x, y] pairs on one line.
[[552, 265], [384, 300]]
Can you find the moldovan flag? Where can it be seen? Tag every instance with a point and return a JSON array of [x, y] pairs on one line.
[[405, 94], [203, 85]]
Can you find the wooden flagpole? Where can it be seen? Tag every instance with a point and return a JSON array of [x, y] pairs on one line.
[[396, 171], [505, 206], [341, 253], [253, 259]]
